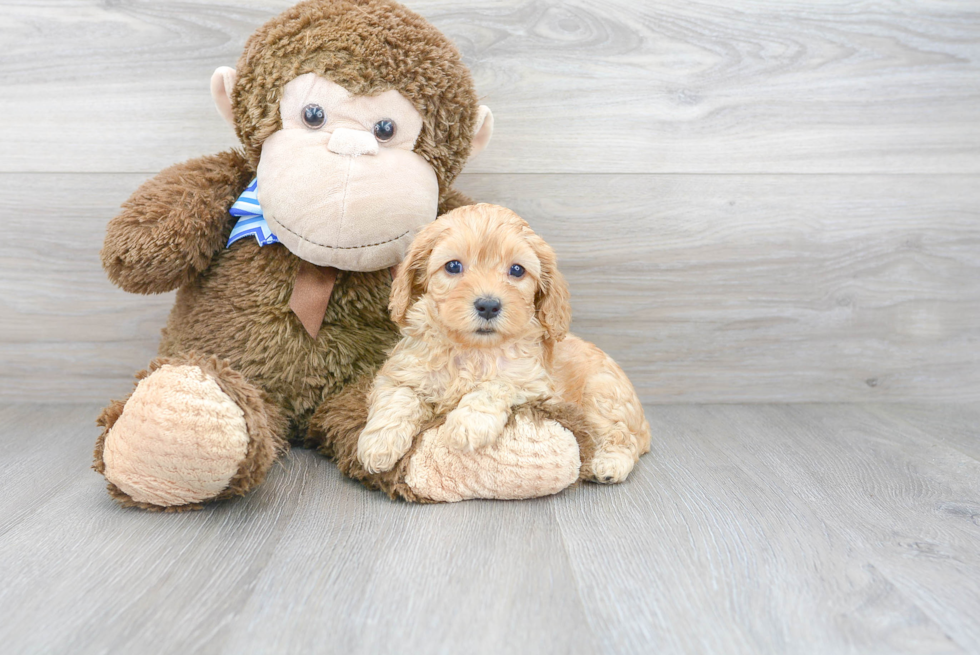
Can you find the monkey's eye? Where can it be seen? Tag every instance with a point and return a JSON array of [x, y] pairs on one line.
[[455, 267], [314, 117], [384, 130], [516, 270]]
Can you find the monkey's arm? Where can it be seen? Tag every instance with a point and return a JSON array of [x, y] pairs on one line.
[[173, 224], [452, 199]]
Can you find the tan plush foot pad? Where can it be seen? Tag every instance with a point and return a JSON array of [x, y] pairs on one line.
[[180, 439], [539, 454], [532, 458]]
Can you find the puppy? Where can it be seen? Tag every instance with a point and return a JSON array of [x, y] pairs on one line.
[[484, 315]]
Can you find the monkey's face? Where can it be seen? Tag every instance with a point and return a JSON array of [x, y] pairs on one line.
[[339, 184]]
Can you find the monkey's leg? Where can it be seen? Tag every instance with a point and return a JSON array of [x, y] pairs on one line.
[[538, 453], [193, 430], [533, 456]]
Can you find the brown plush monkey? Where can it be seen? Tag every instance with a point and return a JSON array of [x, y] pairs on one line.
[[355, 116]]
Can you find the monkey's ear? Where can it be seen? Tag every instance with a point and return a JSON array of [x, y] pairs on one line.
[[482, 132], [409, 280], [222, 83]]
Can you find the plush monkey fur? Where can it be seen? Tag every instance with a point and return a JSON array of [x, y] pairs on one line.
[[367, 47], [232, 320], [238, 376]]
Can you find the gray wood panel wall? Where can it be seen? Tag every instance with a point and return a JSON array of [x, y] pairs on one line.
[[753, 201]]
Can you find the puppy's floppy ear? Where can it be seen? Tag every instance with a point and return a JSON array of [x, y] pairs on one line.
[[409, 281], [554, 311]]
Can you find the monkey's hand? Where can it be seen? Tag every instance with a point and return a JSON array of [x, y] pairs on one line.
[[171, 227]]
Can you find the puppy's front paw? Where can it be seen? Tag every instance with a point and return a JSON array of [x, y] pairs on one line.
[[379, 450], [469, 429], [612, 466]]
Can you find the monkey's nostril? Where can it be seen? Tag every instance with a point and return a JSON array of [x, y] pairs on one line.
[[488, 308]]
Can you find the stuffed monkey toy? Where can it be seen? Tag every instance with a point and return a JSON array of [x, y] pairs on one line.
[[355, 117]]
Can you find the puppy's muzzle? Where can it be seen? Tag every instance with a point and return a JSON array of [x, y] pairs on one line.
[[488, 308]]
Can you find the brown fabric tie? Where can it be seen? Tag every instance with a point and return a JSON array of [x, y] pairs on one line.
[[311, 295]]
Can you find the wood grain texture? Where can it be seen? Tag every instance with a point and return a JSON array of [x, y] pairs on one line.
[[855, 285], [705, 288], [772, 200], [955, 426], [738, 550], [747, 529], [766, 86]]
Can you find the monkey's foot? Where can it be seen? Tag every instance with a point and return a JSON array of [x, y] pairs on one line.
[[531, 458], [181, 439]]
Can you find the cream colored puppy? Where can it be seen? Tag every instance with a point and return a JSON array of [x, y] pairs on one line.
[[484, 315]]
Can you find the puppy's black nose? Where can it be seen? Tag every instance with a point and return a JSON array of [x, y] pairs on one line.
[[487, 308]]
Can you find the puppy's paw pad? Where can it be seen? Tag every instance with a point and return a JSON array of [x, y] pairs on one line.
[[611, 467]]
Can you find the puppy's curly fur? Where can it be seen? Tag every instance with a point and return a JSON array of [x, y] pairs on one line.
[[484, 315]]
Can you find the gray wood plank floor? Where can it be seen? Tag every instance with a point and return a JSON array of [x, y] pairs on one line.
[[747, 529]]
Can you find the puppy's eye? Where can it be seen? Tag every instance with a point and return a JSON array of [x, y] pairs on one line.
[[455, 267], [314, 117], [517, 270], [384, 130]]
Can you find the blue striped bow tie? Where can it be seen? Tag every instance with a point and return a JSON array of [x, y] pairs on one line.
[[313, 285], [251, 221]]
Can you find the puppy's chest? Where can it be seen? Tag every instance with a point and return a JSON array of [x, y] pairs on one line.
[[444, 386]]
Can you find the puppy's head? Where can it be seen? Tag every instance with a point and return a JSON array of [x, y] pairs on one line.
[[486, 277]]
